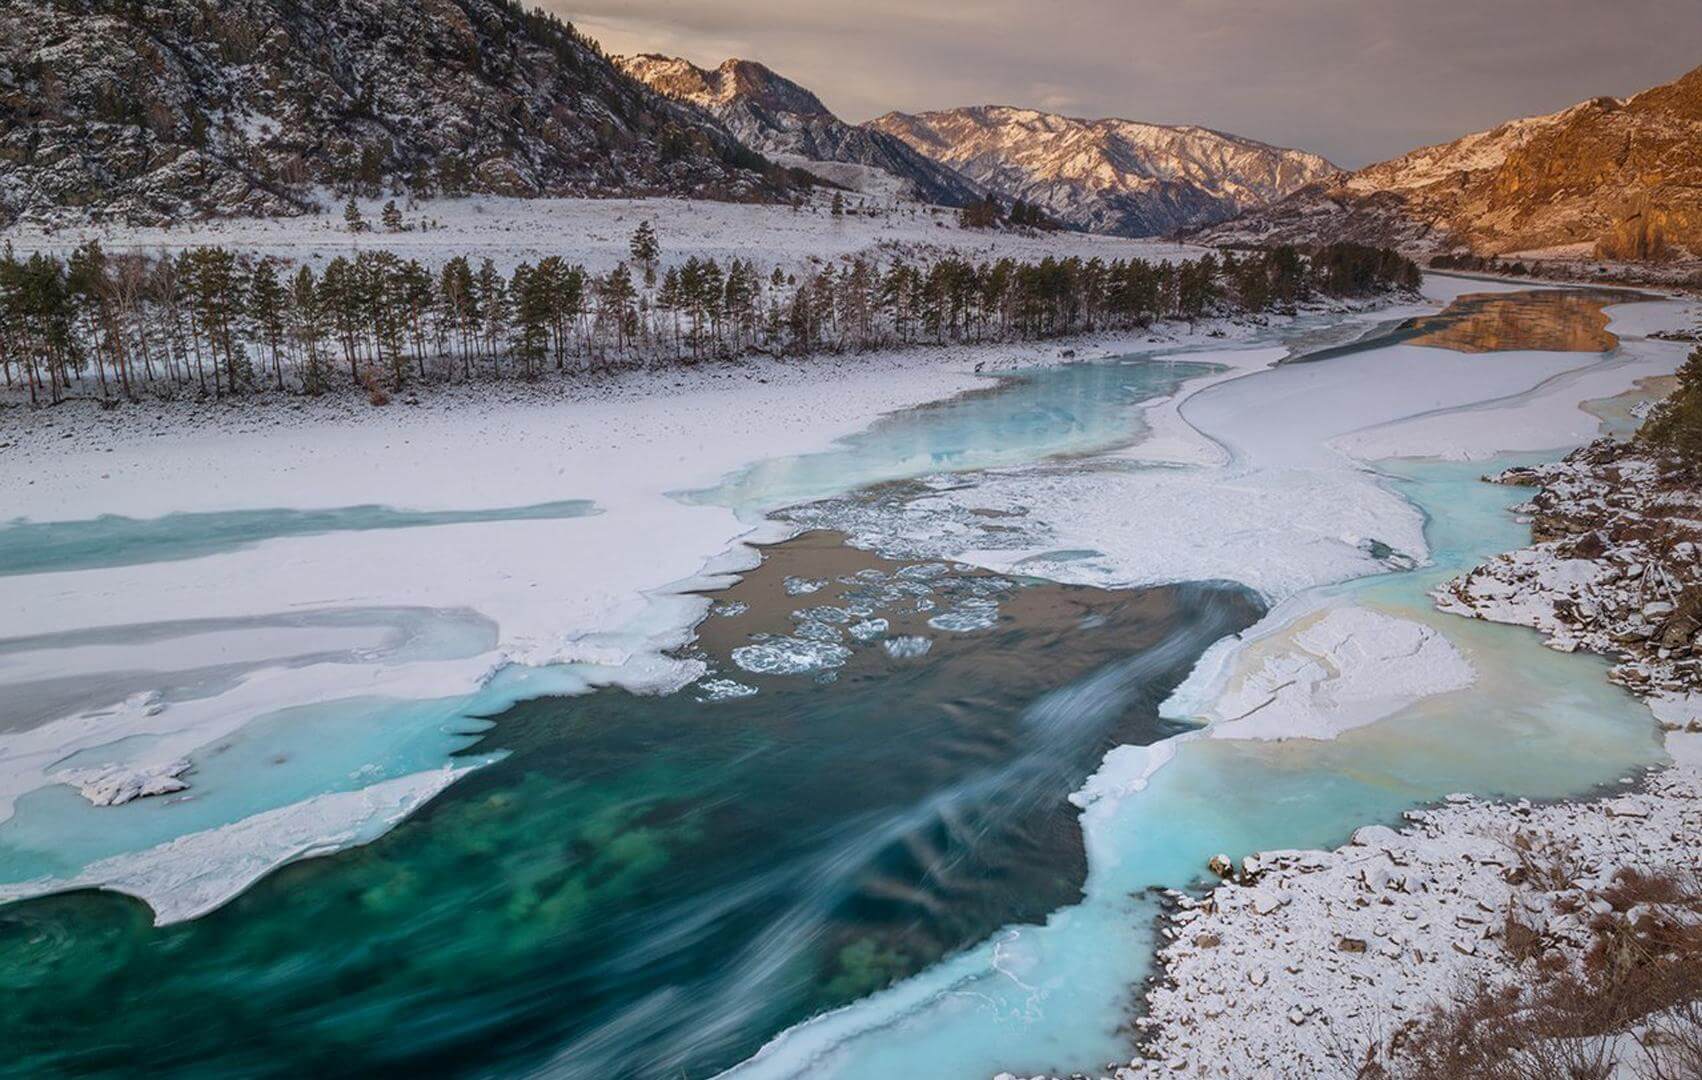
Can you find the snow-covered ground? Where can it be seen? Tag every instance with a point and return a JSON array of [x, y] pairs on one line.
[[1241, 477], [1331, 954], [598, 232]]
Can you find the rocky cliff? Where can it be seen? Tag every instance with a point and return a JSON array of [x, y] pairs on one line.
[[1616, 178], [153, 110]]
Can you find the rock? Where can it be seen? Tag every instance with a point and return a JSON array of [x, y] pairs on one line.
[[1351, 945], [1221, 865], [1207, 941], [1375, 836], [1627, 807]]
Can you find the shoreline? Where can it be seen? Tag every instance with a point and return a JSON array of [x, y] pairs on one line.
[[1334, 955]]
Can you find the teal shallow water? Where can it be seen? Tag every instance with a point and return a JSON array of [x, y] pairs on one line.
[[32, 547], [1028, 414]]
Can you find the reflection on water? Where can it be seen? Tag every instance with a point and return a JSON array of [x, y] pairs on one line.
[[1547, 320], [1543, 320], [653, 886]]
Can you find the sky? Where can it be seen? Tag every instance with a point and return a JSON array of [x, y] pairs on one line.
[[1355, 80]]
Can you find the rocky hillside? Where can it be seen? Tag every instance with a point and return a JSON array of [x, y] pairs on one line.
[[1110, 176], [151, 110], [781, 119], [1620, 179]]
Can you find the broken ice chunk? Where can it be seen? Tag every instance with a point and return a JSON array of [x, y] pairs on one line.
[[790, 656], [907, 647], [723, 690], [869, 629], [802, 586]]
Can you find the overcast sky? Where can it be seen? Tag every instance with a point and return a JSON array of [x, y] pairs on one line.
[[1355, 80]]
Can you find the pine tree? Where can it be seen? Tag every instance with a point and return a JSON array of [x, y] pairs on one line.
[[265, 312], [838, 209], [307, 327], [493, 305], [530, 294], [392, 217], [1676, 423], [352, 216], [646, 249]]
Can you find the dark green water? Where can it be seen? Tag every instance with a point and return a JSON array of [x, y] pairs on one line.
[[645, 886], [33, 547]]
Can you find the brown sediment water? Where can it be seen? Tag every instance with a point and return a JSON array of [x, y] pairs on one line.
[[770, 601]]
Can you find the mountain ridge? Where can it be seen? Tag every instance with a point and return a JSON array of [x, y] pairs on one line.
[[1109, 174], [777, 117], [1620, 176], [155, 110]]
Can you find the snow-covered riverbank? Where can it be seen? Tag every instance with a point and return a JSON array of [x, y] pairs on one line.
[[1310, 961]]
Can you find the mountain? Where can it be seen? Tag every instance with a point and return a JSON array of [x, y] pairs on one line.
[[1111, 176], [153, 110], [1621, 176], [776, 117]]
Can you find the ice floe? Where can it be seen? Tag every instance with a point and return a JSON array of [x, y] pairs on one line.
[[1334, 671], [907, 646], [790, 656]]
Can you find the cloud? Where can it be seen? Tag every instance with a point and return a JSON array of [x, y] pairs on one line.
[[1357, 80]]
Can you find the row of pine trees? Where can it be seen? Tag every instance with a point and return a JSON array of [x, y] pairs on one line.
[[211, 323]]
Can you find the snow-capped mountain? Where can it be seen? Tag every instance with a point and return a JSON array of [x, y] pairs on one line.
[[160, 109], [1111, 176], [1620, 177], [778, 118]]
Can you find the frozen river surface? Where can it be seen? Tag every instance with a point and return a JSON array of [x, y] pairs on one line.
[[893, 807]]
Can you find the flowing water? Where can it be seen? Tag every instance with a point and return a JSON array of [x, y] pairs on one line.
[[651, 886], [858, 816]]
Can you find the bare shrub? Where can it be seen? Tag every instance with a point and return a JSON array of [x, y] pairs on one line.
[[1641, 973]]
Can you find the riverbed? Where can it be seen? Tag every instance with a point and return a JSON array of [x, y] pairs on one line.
[[889, 794]]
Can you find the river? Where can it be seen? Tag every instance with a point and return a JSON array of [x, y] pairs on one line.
[[849, 848]]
